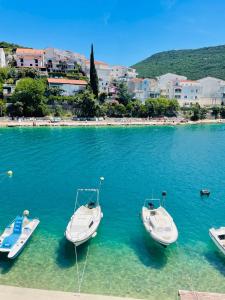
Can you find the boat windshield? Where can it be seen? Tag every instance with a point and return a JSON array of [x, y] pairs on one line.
[[152, 204], [221, 237], [87, 197]]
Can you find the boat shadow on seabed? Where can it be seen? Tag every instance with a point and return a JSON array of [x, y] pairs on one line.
[[66, 256], [216, 260], [149, 252], [5, 263]]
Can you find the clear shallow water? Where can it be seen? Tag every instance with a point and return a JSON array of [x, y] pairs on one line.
[[49, 165]]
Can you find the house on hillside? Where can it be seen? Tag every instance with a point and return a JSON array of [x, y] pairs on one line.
[[167, 81], [186, 92], [2, 58], [30, 58], [142, 88], [212, 91], [103, 71], [68, 86], [122, 73], [62, 60]]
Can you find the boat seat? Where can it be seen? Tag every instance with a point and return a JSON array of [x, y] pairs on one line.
[[10, 240], [18, 225]]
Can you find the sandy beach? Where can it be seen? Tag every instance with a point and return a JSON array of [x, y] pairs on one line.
[[107, 122]]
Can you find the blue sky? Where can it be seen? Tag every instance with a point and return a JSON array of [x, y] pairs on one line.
[[123, 32]]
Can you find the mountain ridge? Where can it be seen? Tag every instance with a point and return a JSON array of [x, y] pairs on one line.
[[192, 63]]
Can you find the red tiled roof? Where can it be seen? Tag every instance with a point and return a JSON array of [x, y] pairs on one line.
[[67, 81], [187, 80], [28, 51], [97, 63]]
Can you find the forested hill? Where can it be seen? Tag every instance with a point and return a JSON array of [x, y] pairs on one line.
[[8, 47], [193, 63]]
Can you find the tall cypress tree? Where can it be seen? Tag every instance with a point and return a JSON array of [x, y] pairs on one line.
[[93, 74]]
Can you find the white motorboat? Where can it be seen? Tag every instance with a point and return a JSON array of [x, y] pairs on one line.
[[86, 219], [158, 222], [16, 235], [218, 237]]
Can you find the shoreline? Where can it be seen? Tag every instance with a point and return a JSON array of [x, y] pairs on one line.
[[105, 123], [20, 293]]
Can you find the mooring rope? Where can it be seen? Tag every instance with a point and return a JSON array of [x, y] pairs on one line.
[[80, 279], [77, 268]]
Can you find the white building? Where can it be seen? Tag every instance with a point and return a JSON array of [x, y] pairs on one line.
[[122, 73], [103, 71], [57, 59], [2, 58], [29, 58], [143, 89], [69, 86], [187, 92], [167, 81], [212, 91]]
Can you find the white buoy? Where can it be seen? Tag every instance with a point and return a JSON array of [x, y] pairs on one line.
[[102, 178], [26, 213], [10, 173]]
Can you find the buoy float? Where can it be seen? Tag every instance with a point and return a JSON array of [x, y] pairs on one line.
[[9, 173], [205, 192]]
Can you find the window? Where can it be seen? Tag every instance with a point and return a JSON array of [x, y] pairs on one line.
[[36, 61], [21, 60], [21, 64], [185, 97], [31, 65]]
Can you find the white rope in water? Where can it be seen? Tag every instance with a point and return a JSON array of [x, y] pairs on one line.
[[80, 279], [77, 267]]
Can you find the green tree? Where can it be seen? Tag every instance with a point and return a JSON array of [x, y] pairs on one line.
[[16, 109], [2, 108], [115, 109], [215, 111], [222, 112], [195, 109], [86, 104], [53, 91], [136, 109], [203, 113], [123, 95], [31, 92], [102, 97], [93, 74]]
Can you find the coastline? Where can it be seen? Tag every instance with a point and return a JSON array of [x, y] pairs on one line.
[[19, 293], [105, 123]]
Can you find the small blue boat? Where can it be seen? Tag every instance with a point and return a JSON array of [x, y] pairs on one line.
[[16, 235]]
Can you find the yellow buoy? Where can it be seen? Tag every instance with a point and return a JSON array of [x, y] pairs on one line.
[[10, 173]]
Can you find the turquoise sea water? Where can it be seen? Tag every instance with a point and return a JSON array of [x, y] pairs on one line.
[[50, 164]]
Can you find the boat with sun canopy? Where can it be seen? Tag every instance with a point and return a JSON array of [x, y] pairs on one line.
[[17, 234], [87, 216], [158, 222]]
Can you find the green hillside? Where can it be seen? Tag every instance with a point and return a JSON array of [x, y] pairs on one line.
[[9, 47], [193, 63]]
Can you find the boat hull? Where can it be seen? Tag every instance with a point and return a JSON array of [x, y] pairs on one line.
[[152, 232], [22, 240], [213, 238], [92, 232]]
